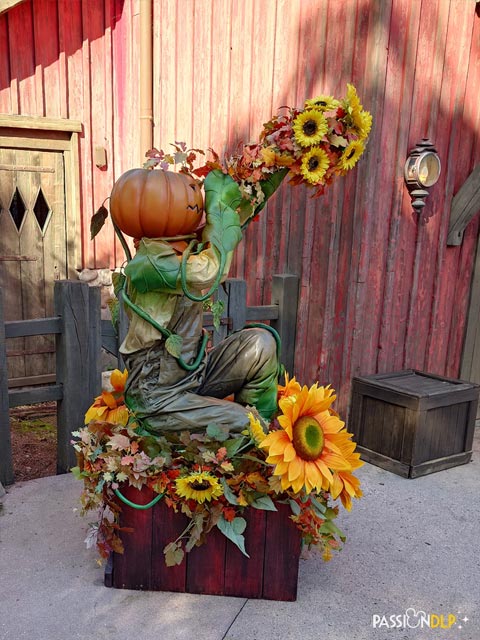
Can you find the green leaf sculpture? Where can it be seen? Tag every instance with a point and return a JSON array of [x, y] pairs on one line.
[[233, 531], [154, 267]]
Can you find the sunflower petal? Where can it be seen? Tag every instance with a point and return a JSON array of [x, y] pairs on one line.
[[336, 486], [118, 379], [296, 469], [289, 453]]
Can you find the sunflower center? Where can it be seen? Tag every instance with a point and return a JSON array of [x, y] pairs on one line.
[[310, 127], [200, 485], [308, 438], [350, 154], [313, 163]]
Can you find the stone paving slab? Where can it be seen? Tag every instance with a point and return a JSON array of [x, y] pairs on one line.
[[412, 544]]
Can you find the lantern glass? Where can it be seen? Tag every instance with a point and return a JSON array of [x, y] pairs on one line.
[[428, 168]]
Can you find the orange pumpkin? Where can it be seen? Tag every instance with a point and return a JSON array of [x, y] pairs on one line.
[[149, 203]]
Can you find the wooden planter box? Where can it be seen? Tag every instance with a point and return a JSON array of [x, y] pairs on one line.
[[218, 567], [413, 423]]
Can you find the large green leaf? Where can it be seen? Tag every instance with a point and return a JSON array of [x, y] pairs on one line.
[[222, 197], [174, 344], [155, 266], [227, 492], [265, 503], [233, 531], [270, 185]]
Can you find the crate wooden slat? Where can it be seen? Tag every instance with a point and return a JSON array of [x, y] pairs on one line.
[[413, 423], [217, 567]]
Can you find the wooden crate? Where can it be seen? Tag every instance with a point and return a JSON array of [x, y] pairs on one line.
[[413, 423], [218, 567]]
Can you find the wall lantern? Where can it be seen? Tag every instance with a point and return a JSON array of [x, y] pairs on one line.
[[422, 171]]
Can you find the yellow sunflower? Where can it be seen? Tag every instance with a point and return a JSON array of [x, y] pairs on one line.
[[351, 154], [314, 165], [345, 484], [110, 405], [199, 486], [255, 429], [307, 449], [309, 127], [322, 103], [362, 120], [363, 123], [352, 98], [291, 387]]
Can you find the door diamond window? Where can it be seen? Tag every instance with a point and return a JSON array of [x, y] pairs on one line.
[[41, 209], [17, 209]]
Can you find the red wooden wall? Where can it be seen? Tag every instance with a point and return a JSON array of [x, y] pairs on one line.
[[380, 290]]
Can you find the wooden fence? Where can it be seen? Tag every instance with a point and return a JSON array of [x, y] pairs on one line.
[[81, 333]]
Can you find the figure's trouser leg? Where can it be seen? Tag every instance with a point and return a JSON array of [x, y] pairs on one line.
[[167, 399], [246, 365]]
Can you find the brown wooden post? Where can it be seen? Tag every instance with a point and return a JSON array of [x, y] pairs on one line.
[[122, 330], [237, 302], [77, 355], [221, 333], [6, 463], [285, 294], [95, 342]]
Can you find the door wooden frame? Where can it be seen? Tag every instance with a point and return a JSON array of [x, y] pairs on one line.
[[53, 134]]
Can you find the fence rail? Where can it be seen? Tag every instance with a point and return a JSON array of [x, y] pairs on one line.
[[80, 334]]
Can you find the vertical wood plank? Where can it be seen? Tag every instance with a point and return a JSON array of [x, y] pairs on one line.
[[285, 294], [167, 527], [450, 130], [47, 63], [32, 272], [237, 303], [5, 81], [6, 462], [94, 342], [375, 35], [244, 576], [10, 270], [132, 569], [282, 553], [392, 244], [73, 362], [24, 99], [206, 565]]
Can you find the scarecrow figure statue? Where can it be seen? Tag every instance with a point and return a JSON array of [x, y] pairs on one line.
[[174, 384]]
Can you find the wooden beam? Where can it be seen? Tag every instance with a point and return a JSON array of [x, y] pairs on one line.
[[5, 5], [21, 397], [465, 205], [37, 122], [35, 327]]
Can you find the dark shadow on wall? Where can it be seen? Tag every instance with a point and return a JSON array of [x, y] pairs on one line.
[[34, 34]]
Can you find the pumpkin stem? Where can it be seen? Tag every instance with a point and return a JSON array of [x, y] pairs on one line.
[[123, 242]]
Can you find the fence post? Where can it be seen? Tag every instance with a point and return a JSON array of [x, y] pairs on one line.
[[237, 302], [6, 463], [77, 359], [221, 333], [285, 294], [122, 330]]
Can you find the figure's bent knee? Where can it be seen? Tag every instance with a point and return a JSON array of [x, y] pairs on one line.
[[264, 342]]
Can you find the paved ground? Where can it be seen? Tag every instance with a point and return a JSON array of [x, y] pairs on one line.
[[411, 544]]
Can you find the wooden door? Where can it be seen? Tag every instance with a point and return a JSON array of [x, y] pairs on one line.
[[32, 251]]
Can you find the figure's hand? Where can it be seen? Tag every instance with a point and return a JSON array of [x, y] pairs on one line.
[[222, 198]]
